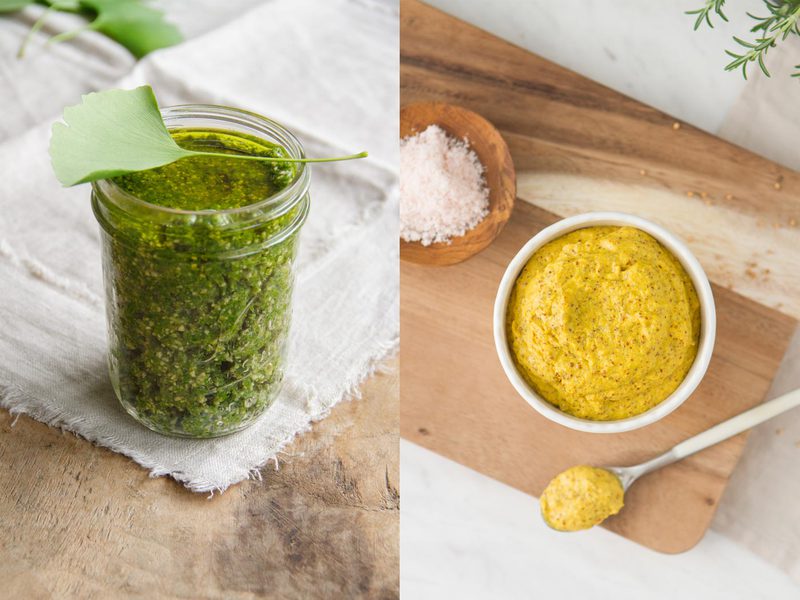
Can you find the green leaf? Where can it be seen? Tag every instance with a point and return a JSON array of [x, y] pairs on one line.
[[65, 5], [744, 43], [137, 26], [140, 28], [783, 20], [111, 133], [762, 65], [12, 5], [121, 131], [704, 14]]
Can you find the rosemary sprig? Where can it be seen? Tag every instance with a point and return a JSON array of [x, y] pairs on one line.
[[782, 21], [704, 14]]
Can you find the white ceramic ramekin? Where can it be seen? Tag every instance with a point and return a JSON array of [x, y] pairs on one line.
[[708, 326]]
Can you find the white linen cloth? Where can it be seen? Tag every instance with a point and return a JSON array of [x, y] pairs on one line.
[[328, 71], [760, 508]]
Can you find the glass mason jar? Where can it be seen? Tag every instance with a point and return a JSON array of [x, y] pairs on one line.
[[198, 302]]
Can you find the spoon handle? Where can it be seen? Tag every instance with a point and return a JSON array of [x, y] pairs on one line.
[[722, 431]]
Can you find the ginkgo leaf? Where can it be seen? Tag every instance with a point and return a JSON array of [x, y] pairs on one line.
[[121, 131], [64, 5], [137, 26], [111, 133], [140, 28]]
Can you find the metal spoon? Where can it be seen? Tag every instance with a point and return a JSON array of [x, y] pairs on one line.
[[716, 434]]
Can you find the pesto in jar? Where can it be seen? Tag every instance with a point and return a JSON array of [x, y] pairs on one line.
[[199, 295]]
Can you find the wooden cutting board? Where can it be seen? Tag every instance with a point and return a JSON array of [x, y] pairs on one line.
[[579, 146]]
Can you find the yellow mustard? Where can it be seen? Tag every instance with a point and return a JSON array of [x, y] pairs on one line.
[[604, 322], [580, 498]]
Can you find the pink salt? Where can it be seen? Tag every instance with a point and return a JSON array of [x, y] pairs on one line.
[[443, 192]]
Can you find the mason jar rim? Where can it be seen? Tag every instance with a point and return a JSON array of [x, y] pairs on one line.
[[280, 201]]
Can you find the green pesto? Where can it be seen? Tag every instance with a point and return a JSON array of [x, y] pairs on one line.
[[199, 305], [211, 182]]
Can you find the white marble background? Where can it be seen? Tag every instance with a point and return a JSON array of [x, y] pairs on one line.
[[466, 535]]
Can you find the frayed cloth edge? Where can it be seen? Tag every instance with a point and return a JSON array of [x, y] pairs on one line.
[[18, 402]]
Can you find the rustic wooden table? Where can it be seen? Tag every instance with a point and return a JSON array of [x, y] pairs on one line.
[[79, 521]]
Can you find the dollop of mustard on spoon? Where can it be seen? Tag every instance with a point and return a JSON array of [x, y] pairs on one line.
[[581, 497]]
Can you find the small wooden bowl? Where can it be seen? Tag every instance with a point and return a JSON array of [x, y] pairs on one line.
[[493, 153]]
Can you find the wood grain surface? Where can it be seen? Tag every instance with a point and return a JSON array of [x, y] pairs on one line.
[[492, 151], [578, 146], [79, 521]]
